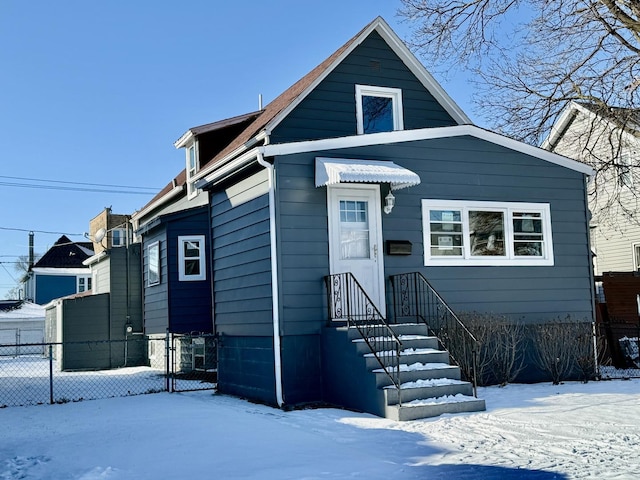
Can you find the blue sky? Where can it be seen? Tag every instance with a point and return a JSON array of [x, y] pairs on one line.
[[97, 92]]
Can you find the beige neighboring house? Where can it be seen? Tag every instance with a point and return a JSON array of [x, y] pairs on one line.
[[596, 136]]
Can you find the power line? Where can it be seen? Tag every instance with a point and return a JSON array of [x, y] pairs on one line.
[[42, 231], [72, 189], [134, 187]]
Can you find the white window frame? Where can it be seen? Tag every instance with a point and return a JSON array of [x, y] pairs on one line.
[[182, 275], [192, 191], [83, 281], [636, 256], [508, 209], [122, 237], [395, 94], [158, 273]]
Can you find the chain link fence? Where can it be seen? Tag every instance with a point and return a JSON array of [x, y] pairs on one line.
[[47, 373], [619, 349]]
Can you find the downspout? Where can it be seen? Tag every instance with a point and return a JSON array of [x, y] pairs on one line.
[[274, 278]]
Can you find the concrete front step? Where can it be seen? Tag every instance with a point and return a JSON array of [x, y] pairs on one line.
[[433, 388], [418, 371], [407, 356], [398, 329], [386, 343], [433, 407]]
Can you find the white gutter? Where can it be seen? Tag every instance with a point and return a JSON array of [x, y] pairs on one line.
[[277, 354], [95, 258], [142, 213]]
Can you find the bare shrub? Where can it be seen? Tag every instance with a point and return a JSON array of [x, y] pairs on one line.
[[506, 342], [500, 357], [563, 347]]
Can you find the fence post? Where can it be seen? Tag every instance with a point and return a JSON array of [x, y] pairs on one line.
[[167, 355], [50, 374]]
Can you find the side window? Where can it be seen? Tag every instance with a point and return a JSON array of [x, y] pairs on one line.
[[118, 237], [378, 109], [83, 284], [153, 264], [192, 167], [191, 258]]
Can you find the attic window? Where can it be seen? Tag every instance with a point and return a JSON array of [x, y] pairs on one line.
[[378, 109]]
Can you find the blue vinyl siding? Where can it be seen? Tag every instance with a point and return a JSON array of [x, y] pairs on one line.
[[189, 301], [330, 109], [49, 287], [457, 169], [242, 259], [156, 297]]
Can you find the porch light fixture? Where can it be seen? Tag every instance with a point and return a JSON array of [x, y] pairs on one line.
[[389, 202]]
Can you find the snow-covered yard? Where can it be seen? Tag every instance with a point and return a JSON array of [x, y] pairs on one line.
[[571, 431]]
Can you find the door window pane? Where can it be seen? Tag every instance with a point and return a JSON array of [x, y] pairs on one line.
[[354, 229]]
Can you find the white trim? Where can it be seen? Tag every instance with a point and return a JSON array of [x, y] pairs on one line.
[[184, 139], [95, 258], [400, 49], [60, 271], [635, 258], [395, 94], [509, 258], [190, 180], [182, 274], [165, 198], [423, 134], [386, 138]]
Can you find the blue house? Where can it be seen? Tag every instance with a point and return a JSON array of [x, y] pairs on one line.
[[353, 201], [59, 272]]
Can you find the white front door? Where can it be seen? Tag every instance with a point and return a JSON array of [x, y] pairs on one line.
[[355, 237]]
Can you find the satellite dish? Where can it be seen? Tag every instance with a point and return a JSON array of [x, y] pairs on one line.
[[99, 235]]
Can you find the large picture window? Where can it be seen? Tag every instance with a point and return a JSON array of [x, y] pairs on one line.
[[378, 109], [153, 264], [191, 258], [486, 233]]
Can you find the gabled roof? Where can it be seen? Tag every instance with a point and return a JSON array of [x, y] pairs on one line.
[[626, 119], [65, 254], [279, 108], [212, 127]]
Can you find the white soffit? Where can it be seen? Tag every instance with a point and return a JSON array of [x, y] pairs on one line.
[[331, 171]]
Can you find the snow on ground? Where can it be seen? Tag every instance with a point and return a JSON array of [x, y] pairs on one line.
[[530, 432]]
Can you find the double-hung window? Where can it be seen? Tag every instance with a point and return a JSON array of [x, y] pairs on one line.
[[191, 258], [378, 109], [486, 233]]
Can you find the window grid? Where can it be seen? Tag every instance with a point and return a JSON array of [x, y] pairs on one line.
[[487, 233]]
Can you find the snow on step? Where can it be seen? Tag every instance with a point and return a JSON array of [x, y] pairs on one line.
[[419, 366], [408, 351], [441, 400], [434, 382], [401, 337]]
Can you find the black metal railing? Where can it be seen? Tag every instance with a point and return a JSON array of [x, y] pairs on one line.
[[349, 303], [415, 299]]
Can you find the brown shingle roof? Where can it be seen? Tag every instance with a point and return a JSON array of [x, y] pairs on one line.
[[284, 100], [178, 181]]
